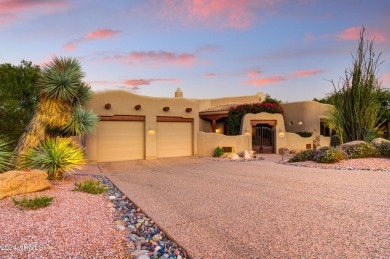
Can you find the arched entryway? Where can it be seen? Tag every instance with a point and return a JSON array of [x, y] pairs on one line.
[[263, 136]]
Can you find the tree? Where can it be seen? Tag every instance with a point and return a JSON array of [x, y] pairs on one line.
[[18, 97], [60, 111], [357, 107]]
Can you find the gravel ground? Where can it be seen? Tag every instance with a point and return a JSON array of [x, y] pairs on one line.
[[371, 164], [75, 225]]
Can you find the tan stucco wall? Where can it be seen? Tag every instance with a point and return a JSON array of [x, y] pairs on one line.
[[308, 112], [207, 142], [246, 127], [324, 141], [208, 103], [294, 141], [123, 103]]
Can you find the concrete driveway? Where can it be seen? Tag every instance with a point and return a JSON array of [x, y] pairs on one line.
[[261, 209]]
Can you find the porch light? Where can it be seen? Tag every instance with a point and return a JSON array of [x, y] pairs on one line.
[[151, 131], [300, 122], [217, 131], [281, 134]]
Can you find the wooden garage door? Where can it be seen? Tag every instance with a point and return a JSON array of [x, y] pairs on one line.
[[174, 139], [120, 140]]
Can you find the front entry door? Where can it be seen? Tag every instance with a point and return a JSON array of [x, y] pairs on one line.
[[265, 138]]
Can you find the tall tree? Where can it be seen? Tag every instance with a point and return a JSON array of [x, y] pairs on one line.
[[357, 107], [18, 97], [60, 111]]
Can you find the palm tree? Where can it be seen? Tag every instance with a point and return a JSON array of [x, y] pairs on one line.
[[60, 110]]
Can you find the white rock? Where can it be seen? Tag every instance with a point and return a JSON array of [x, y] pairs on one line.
[[120, 227], [157, 248], [179, 257], [143, 256], [233, 156], [112, 197], [247, 155]]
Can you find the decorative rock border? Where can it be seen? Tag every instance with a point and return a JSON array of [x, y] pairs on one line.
[[146, 240], [337, 167]]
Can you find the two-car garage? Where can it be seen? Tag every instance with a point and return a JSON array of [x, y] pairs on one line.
[[125, 140]]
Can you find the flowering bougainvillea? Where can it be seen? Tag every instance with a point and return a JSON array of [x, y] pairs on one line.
[[236, 113]]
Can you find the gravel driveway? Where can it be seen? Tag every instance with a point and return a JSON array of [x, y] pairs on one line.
[[261, 209]]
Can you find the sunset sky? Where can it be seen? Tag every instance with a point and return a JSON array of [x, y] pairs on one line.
[[290, 49]]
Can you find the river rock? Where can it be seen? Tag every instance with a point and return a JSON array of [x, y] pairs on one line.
[[20, 182], [234, 156], [377, 141]]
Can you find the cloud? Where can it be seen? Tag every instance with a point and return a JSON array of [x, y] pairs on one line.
[[353, 33], [155, 58], [255, 80], [207, 48], [15, 10], [265, 80], [386, 80], [138, 82], [213, 13], [309, 37], [305, 73], [209, 74], [95, 35]]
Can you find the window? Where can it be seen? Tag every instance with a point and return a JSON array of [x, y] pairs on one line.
[[324, 129]]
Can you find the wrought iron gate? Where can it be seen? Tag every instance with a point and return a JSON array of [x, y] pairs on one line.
[[265, 138]]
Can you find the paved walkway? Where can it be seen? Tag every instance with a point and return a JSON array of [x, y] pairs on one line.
[[261, 209]]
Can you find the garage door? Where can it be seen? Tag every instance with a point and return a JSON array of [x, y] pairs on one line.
[[174, 139], [120, 140]]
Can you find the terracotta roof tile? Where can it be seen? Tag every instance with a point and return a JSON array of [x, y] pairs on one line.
[[220, 108]]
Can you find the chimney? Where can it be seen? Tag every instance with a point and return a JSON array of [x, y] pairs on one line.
[[178, 93]]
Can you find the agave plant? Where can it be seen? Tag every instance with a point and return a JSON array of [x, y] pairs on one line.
[[56, 156], [5, 154], [60, 109]]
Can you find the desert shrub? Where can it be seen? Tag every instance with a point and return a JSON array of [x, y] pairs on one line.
[[305, 155], [360, 150], [56, 156], [91, 186], [218, 152], [384, 148], [305, 134], [335, 141], [5, 154], [328, 155], [33, 204]]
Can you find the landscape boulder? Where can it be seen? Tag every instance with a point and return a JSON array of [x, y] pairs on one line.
[[246, 155], [234, 156], [378, 141], [19, 182]]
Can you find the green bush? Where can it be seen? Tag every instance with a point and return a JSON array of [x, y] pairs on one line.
[[90, 186], [56, 156], [360, 150], [305, 134], [33, 204], [384, 148], [328, 155], [305, 155], [218, 152], [5, 154]]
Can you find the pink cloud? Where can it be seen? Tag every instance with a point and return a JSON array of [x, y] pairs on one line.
[[155, 58], [215, 13], [209, 74], [13, 10], [309, 37], [305, 73], [253, 74], [138, 82], [95, 35], [353, 33], [265, 80]]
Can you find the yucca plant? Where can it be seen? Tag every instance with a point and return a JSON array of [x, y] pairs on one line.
[[5, 154], [56, 156], [60, 110]]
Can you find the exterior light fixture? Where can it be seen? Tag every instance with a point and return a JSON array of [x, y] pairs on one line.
[[217, 131], [281, 134], [300, 122], [151, 131]]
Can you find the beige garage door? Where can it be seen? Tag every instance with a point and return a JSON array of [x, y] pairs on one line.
[[120, 140], [174, 139]]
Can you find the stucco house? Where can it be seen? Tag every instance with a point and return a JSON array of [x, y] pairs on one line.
[[133, 127]]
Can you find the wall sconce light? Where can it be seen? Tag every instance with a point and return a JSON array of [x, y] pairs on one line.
[[300, 122], [189, 110], [151, 131], [137, 107], [218, 131], [107, 106], [166, 108], [281, 133]]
